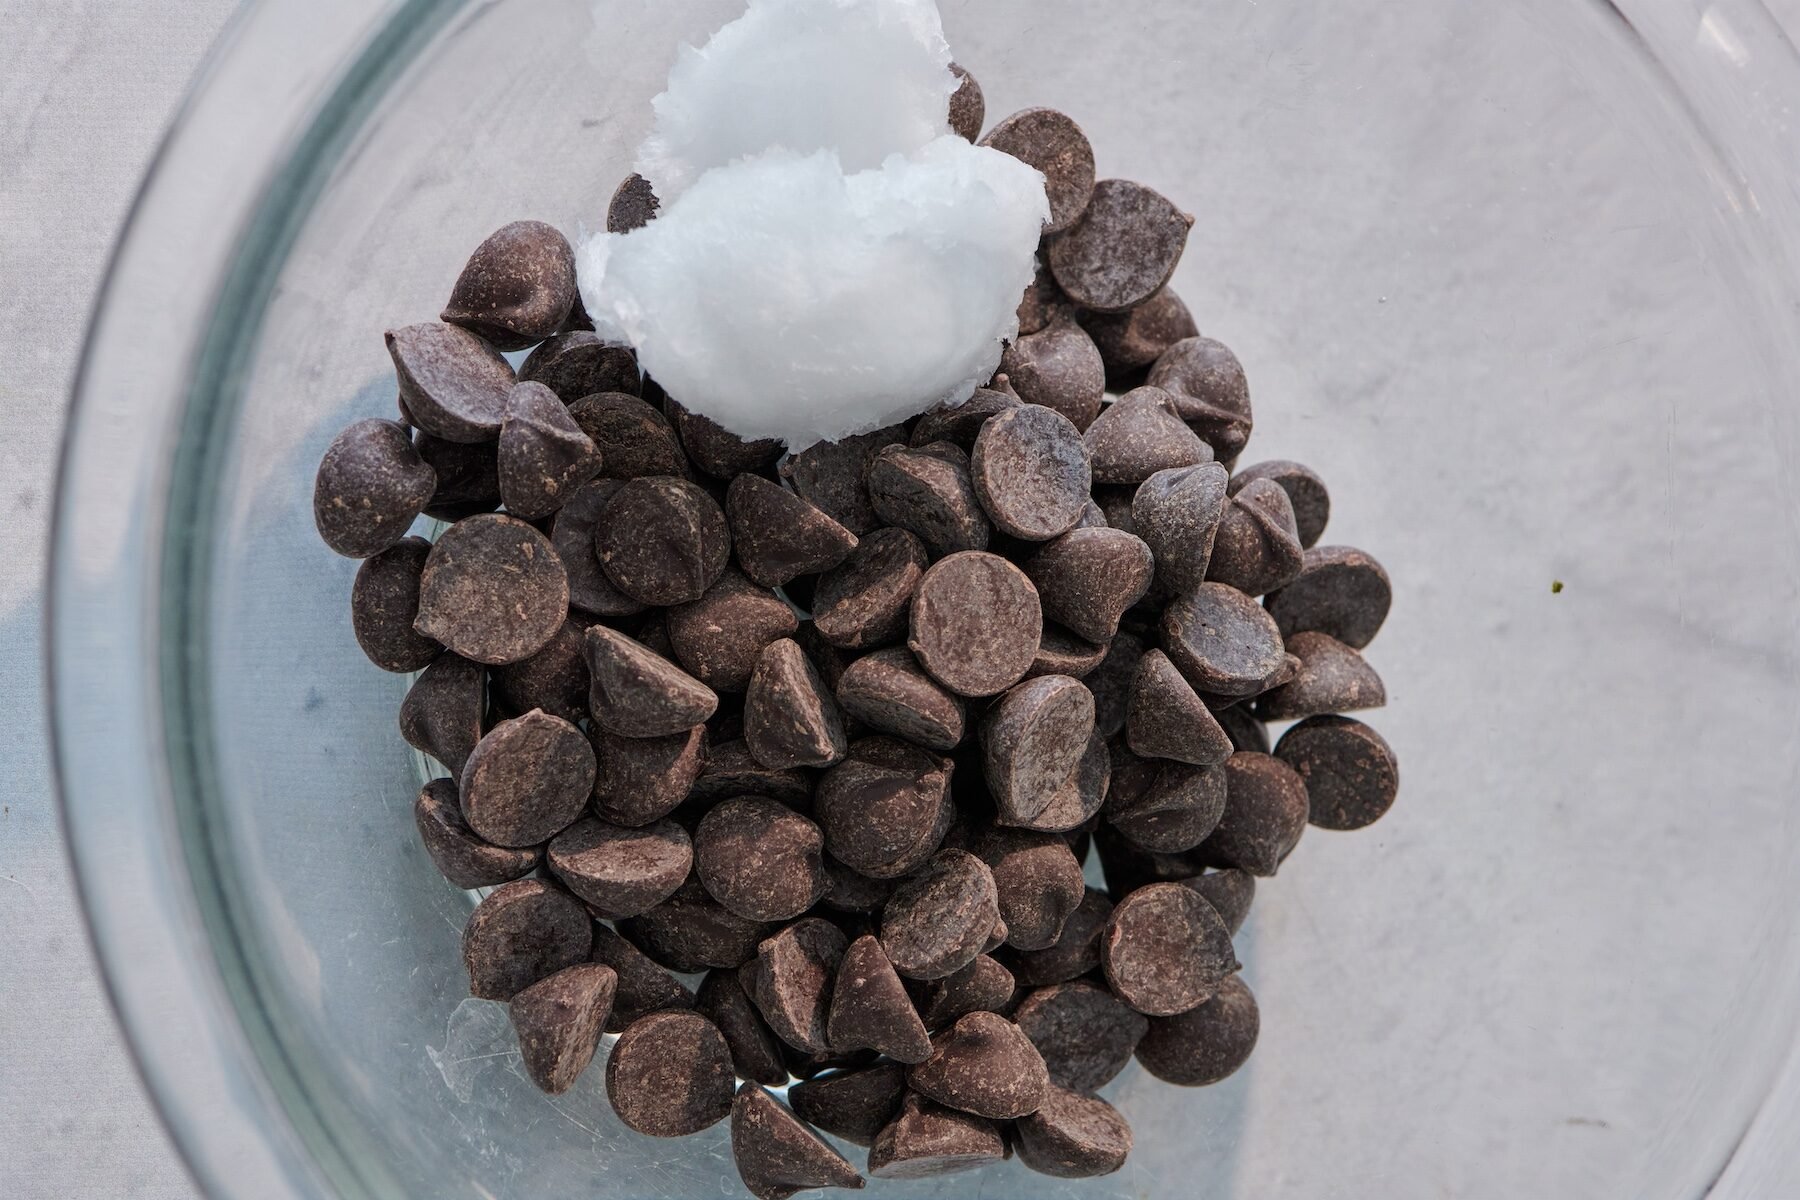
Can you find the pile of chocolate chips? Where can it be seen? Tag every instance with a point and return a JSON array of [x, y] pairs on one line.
[[839, 730]]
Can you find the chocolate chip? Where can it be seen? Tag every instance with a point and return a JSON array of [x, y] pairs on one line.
[[1062, 653], [982, 986], [1079, 797], [1087, 578], [1205, 1044], [884, 819], [554, 679], [522, 932], [1244, 730], [1164, 806], [1114, 504], [1210, 391], [888, 692], [1134, 339], [1350, 773], [926, 1139], [461, 856], [662, 540], [582, 363], [731, 771], [442, 713], [370, 487], [517, 287], [527, 780], [543, 453], [1077, 949], [635, 441], [670, 1075], [1051, 142], [983, 1065], [779, 535], [1165, 949], [715, 449], [975, 623], [1111, 683], [1229, 892], [802, 1065], [559, 1020], [790, 718], [1058, 368], [1266, 811], [968, 109], [492, 590], [1177, 513], [791, 979], [870, 1008], [1340, 591], [572, 536], [691, 932], [1031, 742], [865, 601], [645, 779], [618, 871], [958, 425], [1332, 678], [1128, 866], [1222, 641], [720, 636], [1305, 491], [1031, 472], [1165, 717], [639, 694], [1085, 1035], [468, 476], [1037, 883], [453, 385], [833, 475], [383, 602], [850, 891], [1122, 250], [643, 987], [633, 205], [939, 919], [854, 1105], [755, 1051], [927, 492], [776, 1155], [1072, 1136], [760, 859], [1257, 546], [1140, 434]]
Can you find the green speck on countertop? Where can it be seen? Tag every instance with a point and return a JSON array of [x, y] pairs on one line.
[[1556, 587]]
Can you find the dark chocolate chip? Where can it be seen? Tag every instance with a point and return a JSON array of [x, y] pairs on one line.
[[453, 385], [1087, 578], [1077, 798], [1031, 472], [720, 636], [1165, 949], [662, 540], [639, 694], [1177, 513], [1072, 1136], [791, 980], [1140, 434], [833, 475], [1136, 338], [543, 456], [1077, 949], [1164, 806], [1084, 1033], [1037, 883], [885, 819], [1051, 142], [518, 286], [383, 602], [960, 424], [1062, 653], [442, 713], [926, 1139], [755, 1050], [790, 717], [760, 858], [1205, 1044], [1031, 741], [522, 932], [939, 919], [1257, 546], [1332, 678], [984, 1064], [1042, 304], [1058, 368], [1115, 505], [1340, 591], [559, 1020], [890, 693], [1128, 866], [633, 206], [572, 536], [527, 780], [1351, 774], [643, 988], [975, 623], [732, 771], [968, 109], [1165, 717], [715, 449], [1222, 641], [371, 485], [850, 891], [468, 476], [1244, 730], [554, 679], [1210, 391], [493, 590], [1229, 891], [1305, 491], [618, 871], [1111, 683], [870, 1009], [854, 1105], [779, 535], [777, 1155], [691, 932], [461, 856], [645, 779], [982, 986], [1122, 250], [582, 363], [635, 441], [927, 491], [864, 602], [1266, 811], [670, 1075]]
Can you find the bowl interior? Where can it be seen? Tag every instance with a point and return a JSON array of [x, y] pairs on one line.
[[1487, 276]]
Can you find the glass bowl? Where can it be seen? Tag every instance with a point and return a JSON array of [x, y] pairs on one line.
[[1518, 279]]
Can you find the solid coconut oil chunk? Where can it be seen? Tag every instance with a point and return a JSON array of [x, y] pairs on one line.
[[828, 257]]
